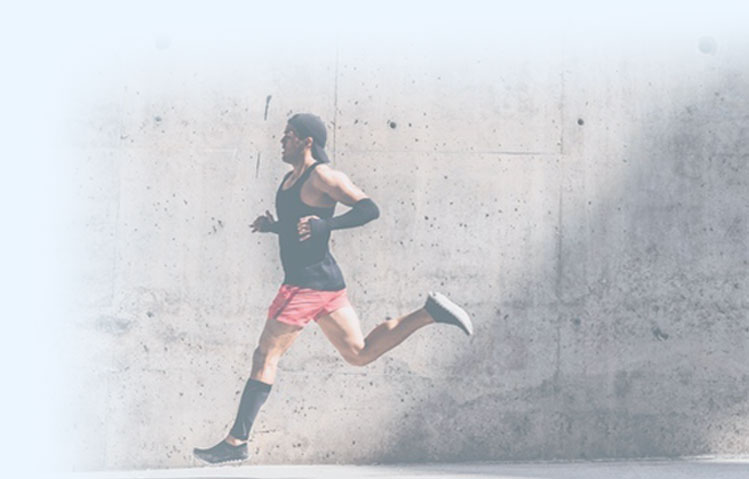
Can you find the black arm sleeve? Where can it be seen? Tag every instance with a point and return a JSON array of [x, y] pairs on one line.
[[361, 213], [274, 227]]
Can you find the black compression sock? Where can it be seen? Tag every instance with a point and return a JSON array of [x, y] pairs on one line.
[[254, 395]]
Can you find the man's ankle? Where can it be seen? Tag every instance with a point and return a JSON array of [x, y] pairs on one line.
[[233, 441]]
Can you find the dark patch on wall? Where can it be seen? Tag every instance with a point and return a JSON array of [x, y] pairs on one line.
[[114, 325], [218, 224], [708, 45], [622, 384], [659, 335], [267, 104]]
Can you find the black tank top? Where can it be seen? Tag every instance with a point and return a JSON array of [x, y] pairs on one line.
[[309, 263]]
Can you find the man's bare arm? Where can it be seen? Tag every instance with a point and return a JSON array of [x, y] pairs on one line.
[[340, 188], [336, 185]]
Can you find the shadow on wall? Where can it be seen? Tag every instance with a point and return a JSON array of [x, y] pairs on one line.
[[648, 334]]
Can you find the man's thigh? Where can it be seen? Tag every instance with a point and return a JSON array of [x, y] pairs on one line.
[[343, 329], [277, 337]]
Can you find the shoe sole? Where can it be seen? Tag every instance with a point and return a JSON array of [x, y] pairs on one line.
[[460, 315], [230, 461]]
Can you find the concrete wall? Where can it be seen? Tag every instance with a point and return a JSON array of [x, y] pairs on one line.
[[584, 197]]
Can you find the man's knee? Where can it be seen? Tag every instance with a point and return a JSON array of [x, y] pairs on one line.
[[264, 356], [356, 357]]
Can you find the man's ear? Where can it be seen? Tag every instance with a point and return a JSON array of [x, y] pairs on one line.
[[308, 142]]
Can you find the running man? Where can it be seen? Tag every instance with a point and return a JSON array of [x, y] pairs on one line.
[[313, 286]]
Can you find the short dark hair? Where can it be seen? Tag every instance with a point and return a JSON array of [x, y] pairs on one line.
[[307, 125]]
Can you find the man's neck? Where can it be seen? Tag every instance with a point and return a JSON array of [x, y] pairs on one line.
[[303, 165]]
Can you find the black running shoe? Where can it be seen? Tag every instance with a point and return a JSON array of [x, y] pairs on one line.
[[222, 452], [442, 310]]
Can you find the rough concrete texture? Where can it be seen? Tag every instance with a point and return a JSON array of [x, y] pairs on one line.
[[687, 468], [586, 201]]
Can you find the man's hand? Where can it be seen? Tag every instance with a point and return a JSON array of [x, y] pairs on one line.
[[264, 224], [308, 226]]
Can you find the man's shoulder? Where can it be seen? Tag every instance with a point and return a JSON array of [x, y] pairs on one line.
[[326, 173]]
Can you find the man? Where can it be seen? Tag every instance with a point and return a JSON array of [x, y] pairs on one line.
[[313, 286]]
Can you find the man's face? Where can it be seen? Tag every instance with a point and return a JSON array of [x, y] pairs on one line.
[[292, 147]]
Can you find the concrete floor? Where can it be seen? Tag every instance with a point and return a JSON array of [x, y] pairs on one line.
[[688, 468]]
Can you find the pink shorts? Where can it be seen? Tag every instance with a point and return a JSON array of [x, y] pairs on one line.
[[298, 306]]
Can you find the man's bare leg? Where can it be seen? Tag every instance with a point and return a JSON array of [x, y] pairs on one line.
[[343, 329], [275, 340]]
